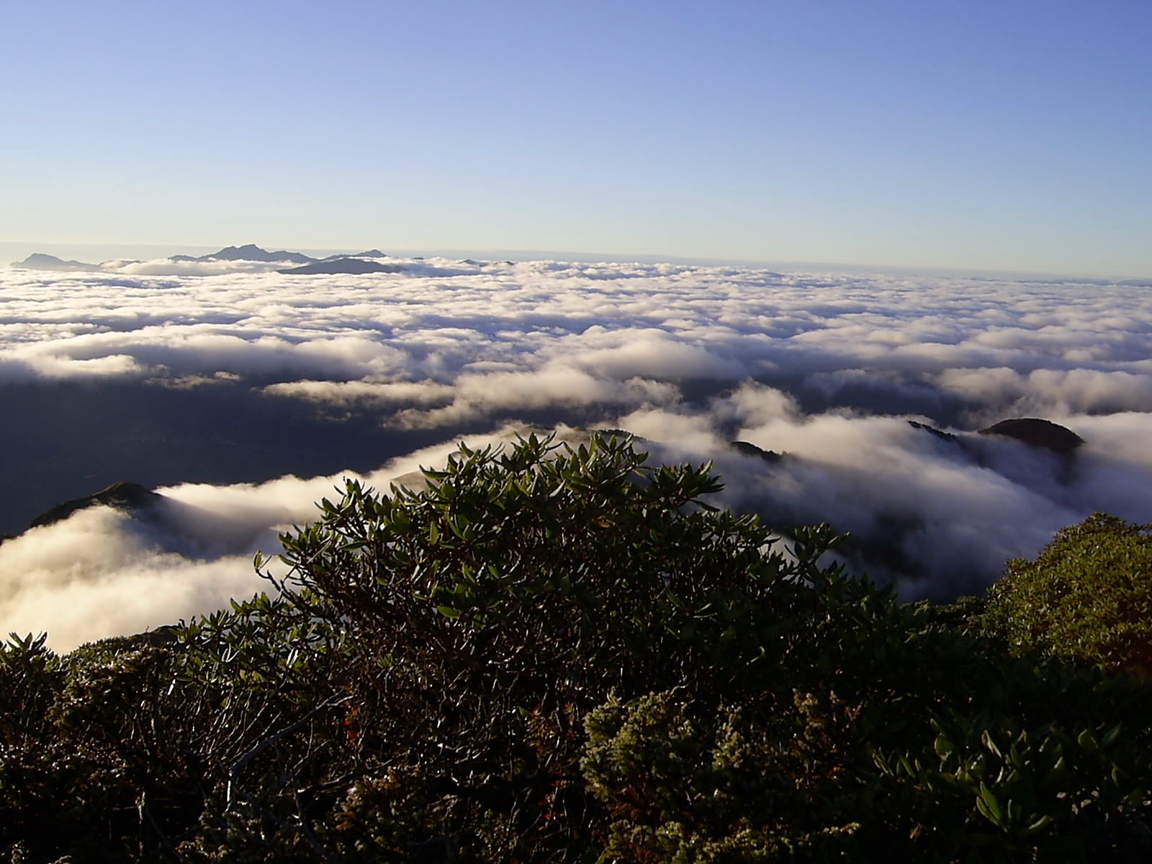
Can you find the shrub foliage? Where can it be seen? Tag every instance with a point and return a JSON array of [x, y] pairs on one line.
[[556, 654], [1088, 595]]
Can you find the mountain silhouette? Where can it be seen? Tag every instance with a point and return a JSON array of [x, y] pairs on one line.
[[344, 265], [248, 252], [40, 261], [131, 497], [371, 253], [1038, 433]]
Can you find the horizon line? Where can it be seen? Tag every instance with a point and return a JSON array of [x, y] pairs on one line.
[[575, 257]]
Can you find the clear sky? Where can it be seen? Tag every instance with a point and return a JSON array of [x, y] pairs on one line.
[[999, 134]]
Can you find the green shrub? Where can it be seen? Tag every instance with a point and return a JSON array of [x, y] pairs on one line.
[[567, 655], [494, 609], [1088, 595]]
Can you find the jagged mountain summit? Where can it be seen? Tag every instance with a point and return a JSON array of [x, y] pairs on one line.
[[249, 252], [343, 262]]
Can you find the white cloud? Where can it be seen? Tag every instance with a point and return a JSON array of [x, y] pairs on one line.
[[826, 367], [100, 573], [442, 321], [168, 267]]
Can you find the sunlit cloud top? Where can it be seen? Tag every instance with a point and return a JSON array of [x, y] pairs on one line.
[[825, 368], [947, 348]]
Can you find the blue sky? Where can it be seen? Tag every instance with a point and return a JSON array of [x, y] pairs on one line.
[[953, 133]]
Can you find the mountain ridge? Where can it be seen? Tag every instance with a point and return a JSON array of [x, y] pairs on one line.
[[246, 252], [43, 261]]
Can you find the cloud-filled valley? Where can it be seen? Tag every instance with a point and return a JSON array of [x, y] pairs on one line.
[[247, 394]]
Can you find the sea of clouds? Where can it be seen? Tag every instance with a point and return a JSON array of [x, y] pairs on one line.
[[825, 367]]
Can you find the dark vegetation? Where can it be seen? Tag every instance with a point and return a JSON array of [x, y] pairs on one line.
[[557, 655]]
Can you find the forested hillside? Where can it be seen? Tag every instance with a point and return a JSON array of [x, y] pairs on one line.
[[556, 654]]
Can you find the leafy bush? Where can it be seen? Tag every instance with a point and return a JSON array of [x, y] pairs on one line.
[[498, 606], [1088, 595], [555, 654], [133, 740]]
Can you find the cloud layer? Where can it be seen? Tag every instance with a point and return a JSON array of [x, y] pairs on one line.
[[427, 336], [827, 367]]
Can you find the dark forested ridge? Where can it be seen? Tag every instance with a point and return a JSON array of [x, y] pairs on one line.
[[556, 654]]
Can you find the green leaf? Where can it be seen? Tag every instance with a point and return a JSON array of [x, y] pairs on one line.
[[989, 806], [1087, 741]]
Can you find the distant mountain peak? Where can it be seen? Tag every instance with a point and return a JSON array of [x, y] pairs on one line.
[[1038, 433], [40, 261], [355, 266], [747, 448], [252, 252], [131, 497], [932, 430], [371, 253]]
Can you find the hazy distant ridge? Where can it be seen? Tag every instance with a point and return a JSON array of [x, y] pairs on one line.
[[245, 253], [249, 252], [42, 261]]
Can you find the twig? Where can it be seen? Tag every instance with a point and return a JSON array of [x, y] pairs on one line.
[[261, 746]]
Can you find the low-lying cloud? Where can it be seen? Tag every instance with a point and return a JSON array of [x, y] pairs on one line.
[[103, 572], [827, 368], [991, 346]]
